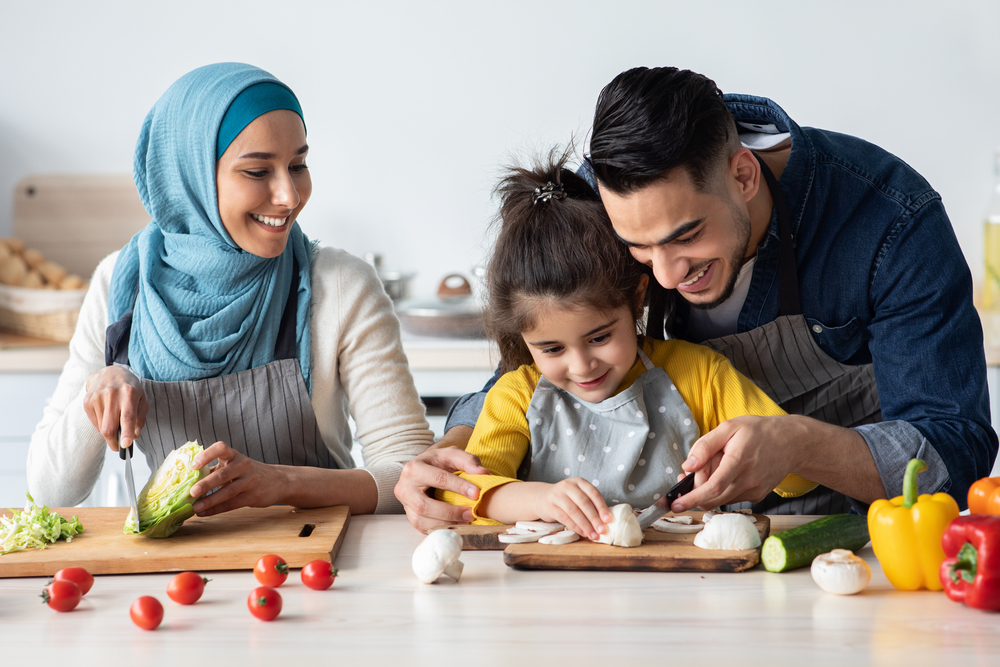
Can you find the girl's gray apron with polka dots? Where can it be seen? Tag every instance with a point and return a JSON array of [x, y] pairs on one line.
[[265, 412], [630, 446]]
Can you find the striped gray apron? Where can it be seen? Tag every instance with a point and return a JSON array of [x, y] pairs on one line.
[[630, 446], [265, 412], [786, 362]]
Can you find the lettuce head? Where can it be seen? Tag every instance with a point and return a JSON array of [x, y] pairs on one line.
[[166, 502]]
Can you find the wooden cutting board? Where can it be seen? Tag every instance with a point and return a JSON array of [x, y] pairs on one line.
[[659, 552], [230, 541]]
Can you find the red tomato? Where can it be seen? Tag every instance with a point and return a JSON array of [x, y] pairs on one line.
[[186, 587], [319, 575], [271, 570], [62, 595], [264, 603], [78, 576], [146, 612]]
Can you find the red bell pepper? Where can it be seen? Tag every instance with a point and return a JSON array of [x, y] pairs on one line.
[[971, 571]]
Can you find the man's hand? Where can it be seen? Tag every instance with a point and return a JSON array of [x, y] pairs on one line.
[[745, 458], [433, 470]]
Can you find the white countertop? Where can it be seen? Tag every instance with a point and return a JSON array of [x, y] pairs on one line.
[[378, 613]]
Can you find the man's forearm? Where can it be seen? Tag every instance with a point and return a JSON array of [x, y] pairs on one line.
[[836, 457]]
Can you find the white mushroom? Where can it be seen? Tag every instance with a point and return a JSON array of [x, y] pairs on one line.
[[438, 554], [515, 538], [730, 532], [841, 572], [562, 537], [543, 527], [624, 530], [707, 516], [665, 525]]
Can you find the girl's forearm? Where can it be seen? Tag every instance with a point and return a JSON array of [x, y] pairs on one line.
[[512, 502]]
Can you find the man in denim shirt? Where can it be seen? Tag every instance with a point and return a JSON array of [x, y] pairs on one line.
[[874, 335]]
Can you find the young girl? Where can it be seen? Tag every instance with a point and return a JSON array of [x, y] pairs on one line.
[[585, 414]]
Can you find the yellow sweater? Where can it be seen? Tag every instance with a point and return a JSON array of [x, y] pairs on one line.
[[710, 386]]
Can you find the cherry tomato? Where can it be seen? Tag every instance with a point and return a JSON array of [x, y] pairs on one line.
[[78, 576], [146, 612], [62, 595], [264, 603], [319, 575], [186, 587], [271, 570]]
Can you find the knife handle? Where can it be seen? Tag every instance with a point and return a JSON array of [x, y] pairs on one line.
[[121, 450]]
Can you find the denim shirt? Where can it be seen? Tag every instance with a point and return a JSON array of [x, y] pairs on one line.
[[882, 280]]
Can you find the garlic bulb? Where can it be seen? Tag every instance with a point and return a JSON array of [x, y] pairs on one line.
[[841, 572], [624, 530], [730, 532]]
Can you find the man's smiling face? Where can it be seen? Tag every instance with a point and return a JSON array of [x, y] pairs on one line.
[[695, 241]]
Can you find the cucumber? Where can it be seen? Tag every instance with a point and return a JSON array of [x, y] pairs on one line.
[[797, 547]]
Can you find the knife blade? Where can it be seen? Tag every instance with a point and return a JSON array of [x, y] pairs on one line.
[[126, 455], [662, 506]]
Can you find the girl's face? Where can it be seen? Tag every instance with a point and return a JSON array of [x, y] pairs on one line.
[[581, 349], [263, 182]]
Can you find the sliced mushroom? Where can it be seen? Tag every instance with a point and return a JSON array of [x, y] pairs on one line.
[[508, 538], [664, 525], [543, 527], [562, 537]]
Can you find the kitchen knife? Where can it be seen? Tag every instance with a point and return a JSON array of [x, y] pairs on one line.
[[126, 454], [662, 506]]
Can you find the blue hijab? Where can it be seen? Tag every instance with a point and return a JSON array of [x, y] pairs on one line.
[[204, 306]]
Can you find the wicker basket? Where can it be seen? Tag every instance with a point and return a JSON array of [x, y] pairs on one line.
[[40, 313]]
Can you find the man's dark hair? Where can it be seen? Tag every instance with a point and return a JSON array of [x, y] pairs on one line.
[[651, 121]]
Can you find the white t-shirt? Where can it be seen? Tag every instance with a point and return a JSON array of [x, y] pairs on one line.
[[721, 320]]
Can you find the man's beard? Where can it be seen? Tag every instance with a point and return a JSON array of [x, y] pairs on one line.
[[742, 221]]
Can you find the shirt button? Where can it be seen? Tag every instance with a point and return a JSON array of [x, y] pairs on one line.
[[817, 328]]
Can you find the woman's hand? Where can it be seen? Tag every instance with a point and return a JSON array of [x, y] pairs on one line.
[[576, 504], [115, 400], [242, 482]]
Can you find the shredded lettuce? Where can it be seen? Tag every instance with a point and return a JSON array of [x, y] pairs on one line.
[[35, 527], [165, 502]]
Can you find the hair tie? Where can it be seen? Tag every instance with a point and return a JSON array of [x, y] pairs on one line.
[[549, 191]]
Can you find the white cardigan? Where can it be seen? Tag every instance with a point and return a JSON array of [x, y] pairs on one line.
[[358, 367]]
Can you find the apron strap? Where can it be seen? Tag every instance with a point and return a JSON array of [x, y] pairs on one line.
[[645, 360], [788, 274], [118, 334]]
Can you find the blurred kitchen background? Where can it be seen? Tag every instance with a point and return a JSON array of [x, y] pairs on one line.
[[412, 108]]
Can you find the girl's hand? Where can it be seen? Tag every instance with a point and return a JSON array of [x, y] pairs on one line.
[[115, 400], [575, 503], [242, 481]]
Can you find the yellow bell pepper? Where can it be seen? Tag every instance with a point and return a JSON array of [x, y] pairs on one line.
[[906, 533]]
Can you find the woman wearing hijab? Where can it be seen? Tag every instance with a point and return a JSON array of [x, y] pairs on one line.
[[221, 322]]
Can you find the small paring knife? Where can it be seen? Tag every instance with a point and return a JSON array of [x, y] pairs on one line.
[[662, 506], [126, 455]]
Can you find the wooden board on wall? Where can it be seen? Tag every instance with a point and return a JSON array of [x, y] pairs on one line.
[[77, 219]]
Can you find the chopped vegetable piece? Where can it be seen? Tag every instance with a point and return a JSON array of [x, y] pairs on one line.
[[35, 528], [165, 502], [729, 532], [798, 546]]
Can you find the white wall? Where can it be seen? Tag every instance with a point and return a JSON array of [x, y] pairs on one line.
[[411, 106]]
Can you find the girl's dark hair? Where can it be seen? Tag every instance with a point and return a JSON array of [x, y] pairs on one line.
[[561, 250], [651, 121]]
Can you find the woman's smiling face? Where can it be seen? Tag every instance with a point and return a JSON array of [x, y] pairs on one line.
[[263, 183]]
